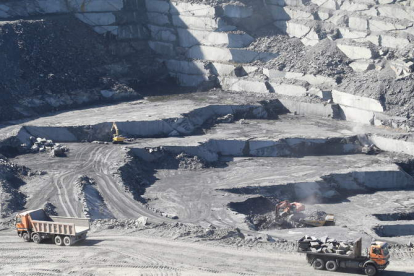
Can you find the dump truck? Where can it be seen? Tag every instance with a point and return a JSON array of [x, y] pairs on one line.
[[376, 260], [36, 226]]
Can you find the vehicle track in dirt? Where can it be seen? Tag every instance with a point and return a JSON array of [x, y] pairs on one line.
[[98, 162], [126, 253]]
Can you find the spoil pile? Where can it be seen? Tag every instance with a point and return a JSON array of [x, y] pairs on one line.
[[52, 64], [93, 204], [11, 178], [43, 145], [325, 245]]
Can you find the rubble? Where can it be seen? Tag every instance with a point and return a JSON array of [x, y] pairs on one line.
[[139, 223], [42, 145], [325, 245], [50, 209], [11, 179]]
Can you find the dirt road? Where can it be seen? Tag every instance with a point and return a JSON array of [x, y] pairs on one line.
[[111, 253], [98, 162]]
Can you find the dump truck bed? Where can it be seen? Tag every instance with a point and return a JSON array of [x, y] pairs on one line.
[[305, 247], [58, 225]]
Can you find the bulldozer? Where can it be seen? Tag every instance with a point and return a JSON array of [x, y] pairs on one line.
[[292, 212], [116, 138]]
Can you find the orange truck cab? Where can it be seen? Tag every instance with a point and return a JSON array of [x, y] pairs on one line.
[[376, 260], [36, 225], [379, 254]]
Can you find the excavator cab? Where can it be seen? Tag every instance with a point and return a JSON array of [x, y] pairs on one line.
[[117, 138], [379, 253]]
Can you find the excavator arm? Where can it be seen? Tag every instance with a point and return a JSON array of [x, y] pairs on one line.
[[115, 128], [116, 139]]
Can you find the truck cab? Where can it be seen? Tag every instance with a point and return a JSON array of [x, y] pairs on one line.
[[379, 254]]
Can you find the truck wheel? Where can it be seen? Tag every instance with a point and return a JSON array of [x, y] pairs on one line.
[[318, 264], [58, 240], [26, 237], [331, 265], [36, 238], [370, 270], [67, 241]]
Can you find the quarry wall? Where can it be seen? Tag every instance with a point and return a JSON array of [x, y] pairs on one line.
[[221, 43]]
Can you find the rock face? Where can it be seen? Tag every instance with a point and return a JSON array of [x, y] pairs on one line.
[[217, 42], [299, 49]]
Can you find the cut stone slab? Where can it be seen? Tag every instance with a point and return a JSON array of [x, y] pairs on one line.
[[189, 38], [203, 24], [352, 6], [237, 84], [356, 51], [95, 6], [237, 11], [298, 30], [228, 55], [289, 89], [396, 11], [358, 23], [97, 19], [162, 48], [157, 6], [162, 33], [187, 67], [354, 35], [158, 19], [355, 101], [311, 109], [394, 41], [383, 26], [312, 79], [279, 13], [221, 69], [189, 80], [106, 29], [362, 65], [299, 13], [357, 115], [135, 31], [189, 9]]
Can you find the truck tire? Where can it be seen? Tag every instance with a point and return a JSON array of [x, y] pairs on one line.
[[318, 264], [370, 270], [58, 240], [36, 238], [26, 237], [67, 241], [331, 265]]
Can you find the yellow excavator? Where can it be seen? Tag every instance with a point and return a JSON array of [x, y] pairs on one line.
[[117, 138]]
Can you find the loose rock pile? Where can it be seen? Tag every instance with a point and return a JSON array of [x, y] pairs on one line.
[[45, 145], [100, 224], [325, 245], [11, 178], [50, 209], [187, 162]]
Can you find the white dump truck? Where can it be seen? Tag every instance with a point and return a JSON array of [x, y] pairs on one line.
[[36, 225]]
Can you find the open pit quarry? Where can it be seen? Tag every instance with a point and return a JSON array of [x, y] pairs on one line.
[[227, 108]]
